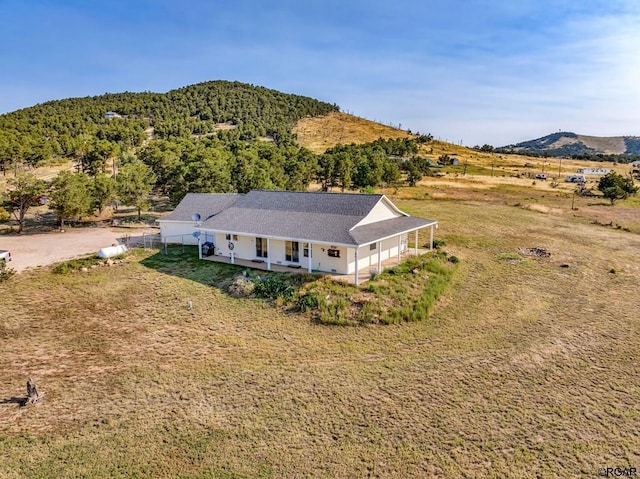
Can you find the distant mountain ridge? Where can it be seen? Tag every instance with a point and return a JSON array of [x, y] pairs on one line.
[[566, 143]]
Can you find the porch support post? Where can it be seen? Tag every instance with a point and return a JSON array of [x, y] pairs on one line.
[[356, 276], [310, 258], [268, 254], [398, 249], [199, 248], [431, 239], [379, 256], [415, 243]]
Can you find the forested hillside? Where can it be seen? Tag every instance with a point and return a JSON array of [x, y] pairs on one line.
[[211, 137], [67, 128]]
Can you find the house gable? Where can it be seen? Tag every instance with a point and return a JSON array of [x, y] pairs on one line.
[[382, 211]]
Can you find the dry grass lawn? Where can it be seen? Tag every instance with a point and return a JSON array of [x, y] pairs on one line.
[[321, 133], [527, 368]]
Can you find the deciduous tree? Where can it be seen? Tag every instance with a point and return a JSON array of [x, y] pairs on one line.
[[614, 187], [70, 195], [25, 191], [134, 184]]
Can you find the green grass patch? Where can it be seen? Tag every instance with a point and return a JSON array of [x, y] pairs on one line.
[[77, 264], [183, 262], [407, 292]]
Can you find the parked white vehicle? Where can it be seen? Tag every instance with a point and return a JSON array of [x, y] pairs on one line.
[[5, 256], [575, 179]]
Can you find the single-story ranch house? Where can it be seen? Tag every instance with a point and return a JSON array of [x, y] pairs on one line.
[[337, 233]]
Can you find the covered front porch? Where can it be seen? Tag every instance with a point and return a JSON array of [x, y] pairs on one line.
[[364, 274], [258, 264], [372, 257], [377, 249]]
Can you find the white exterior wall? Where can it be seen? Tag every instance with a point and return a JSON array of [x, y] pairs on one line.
[[363, 258], [380, 212], [244, 247], [593, 171], [368, 258], [276, 252], [323, 262], [178, 232]]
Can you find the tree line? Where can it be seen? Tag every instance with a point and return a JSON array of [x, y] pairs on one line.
[[174, 167], [72, 195]]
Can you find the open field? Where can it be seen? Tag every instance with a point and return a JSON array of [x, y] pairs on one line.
[[527, 368]]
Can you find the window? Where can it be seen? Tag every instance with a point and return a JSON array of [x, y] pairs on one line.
[[228, 237], [334, 253], [292, 251], [372, 246], [305, 250], [261, 248]]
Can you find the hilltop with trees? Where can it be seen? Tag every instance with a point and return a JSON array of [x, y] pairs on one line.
[[211, 137]]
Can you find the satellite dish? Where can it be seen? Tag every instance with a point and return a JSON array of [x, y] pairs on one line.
[[196, 234], [196, 217]]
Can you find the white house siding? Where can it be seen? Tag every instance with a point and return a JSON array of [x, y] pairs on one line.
[[323, 262], [320, 259], [368, 258], [380, 212], [244, 247], [178, 232]]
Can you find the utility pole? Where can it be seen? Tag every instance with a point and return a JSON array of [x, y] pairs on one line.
[[560, 168]]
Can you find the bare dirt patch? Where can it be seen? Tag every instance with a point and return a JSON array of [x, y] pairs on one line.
[[33, 250]]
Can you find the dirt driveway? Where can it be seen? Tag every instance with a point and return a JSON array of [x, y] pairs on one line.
[[29, 251]]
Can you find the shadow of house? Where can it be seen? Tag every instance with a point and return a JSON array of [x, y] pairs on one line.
[[182, 261]]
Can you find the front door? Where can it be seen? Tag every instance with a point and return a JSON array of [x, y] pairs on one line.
[[292, 251]]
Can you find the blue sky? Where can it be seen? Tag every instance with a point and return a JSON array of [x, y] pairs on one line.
[[470, 72]]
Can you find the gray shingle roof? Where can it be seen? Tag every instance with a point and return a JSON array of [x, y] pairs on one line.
[[320, 217], [205, 204], [384, 229], [310, 202]]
